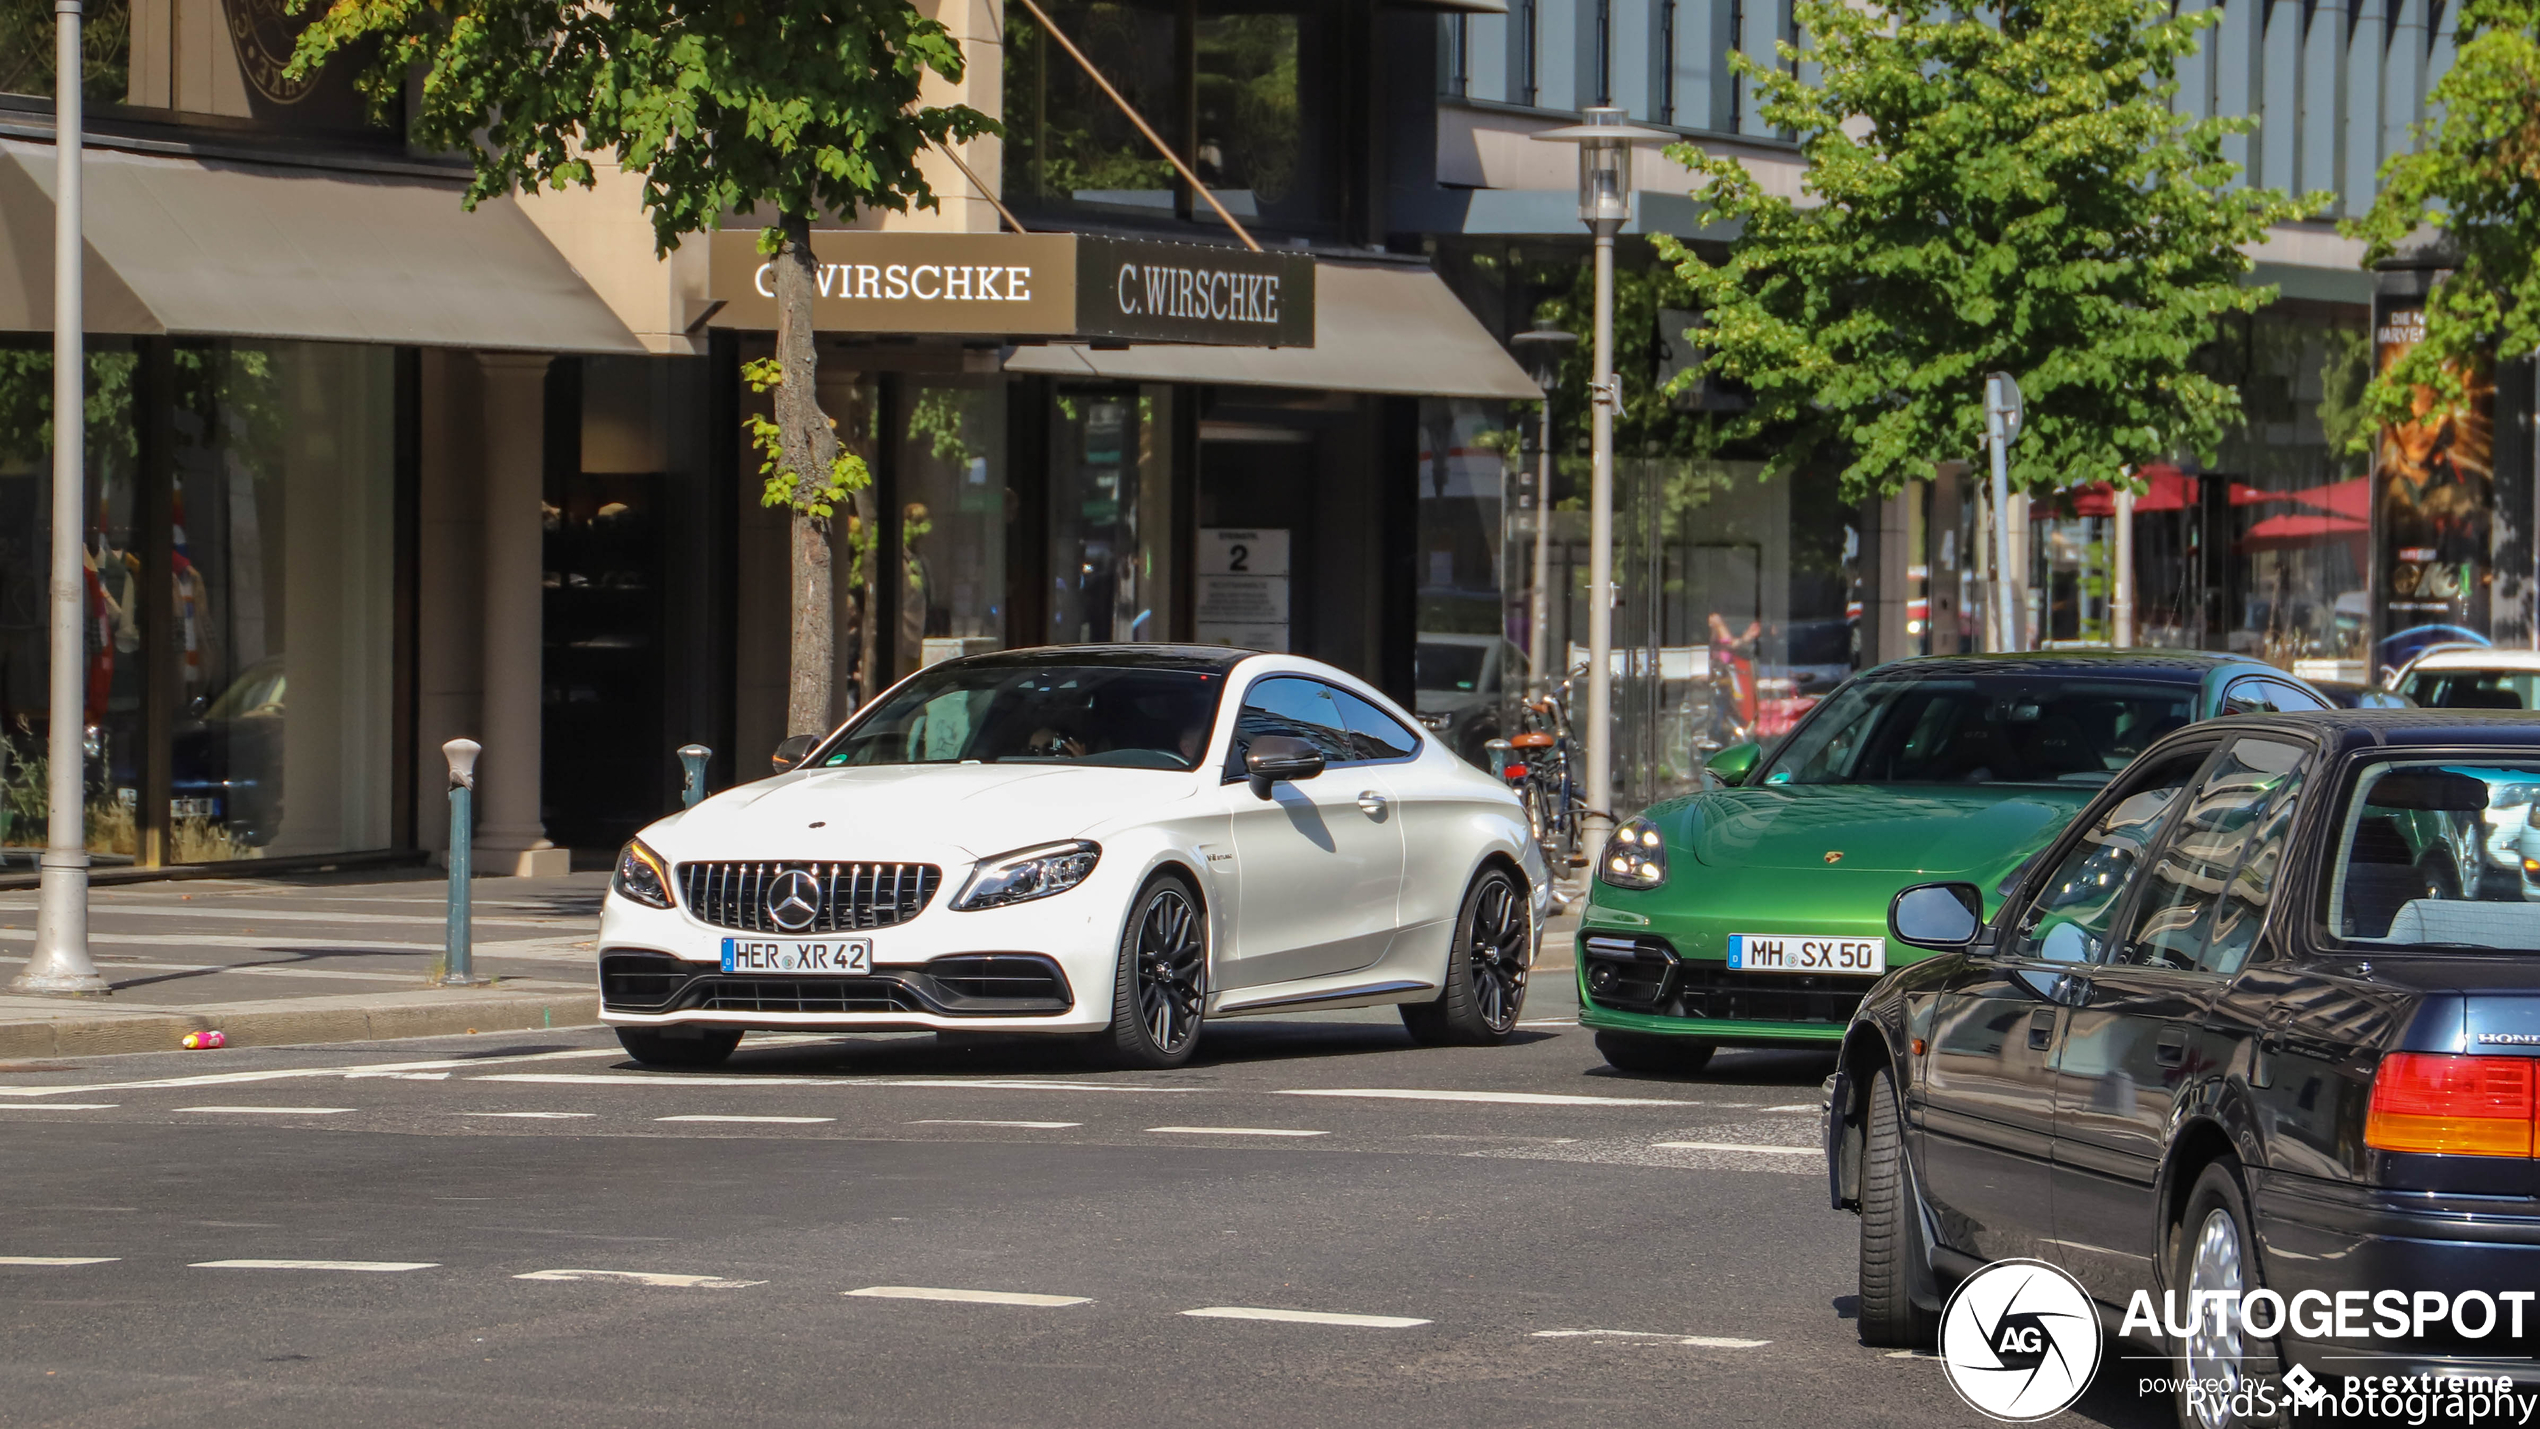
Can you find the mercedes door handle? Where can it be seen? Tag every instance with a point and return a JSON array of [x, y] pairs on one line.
[[2041, 1029], [1371, 803]]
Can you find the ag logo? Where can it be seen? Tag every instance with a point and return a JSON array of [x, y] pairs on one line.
[[2019, 1340]]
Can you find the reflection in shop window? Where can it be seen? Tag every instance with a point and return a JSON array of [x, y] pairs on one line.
[[1067, 145], [952, 479], [26, 49]]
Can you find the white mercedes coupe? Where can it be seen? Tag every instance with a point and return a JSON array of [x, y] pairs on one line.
[[1113, 843]]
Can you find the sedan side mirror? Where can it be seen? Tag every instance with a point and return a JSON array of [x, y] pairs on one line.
[[1945, 917], [793, 751], [1735, 762], [1274, 757]]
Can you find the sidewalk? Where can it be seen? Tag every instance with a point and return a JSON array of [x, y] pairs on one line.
[[319, 958]]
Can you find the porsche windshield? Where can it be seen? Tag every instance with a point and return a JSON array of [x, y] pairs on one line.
[[2009, 729], [1120, 717]]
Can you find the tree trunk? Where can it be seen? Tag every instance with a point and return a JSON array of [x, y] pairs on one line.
[[810, 446]]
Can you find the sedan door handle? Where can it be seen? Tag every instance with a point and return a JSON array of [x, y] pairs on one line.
[[1371, 803], [2170, 1050], [2041, 1029]]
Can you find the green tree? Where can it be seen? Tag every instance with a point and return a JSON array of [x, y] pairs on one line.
[[2474, 177], [2015, 196], [786, 111]]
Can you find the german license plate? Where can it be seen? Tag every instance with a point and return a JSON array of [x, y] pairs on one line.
[[1777, 953], [753, 955]]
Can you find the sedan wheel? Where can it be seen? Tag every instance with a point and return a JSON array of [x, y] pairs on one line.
[[1156, 1001], [2215, 1260], [1485, 969]]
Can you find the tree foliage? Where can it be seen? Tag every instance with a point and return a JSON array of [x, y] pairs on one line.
[[2006, 191], [2474, 177]]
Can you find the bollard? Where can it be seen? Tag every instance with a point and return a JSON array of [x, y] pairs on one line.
[[692, 758], [458, 968]]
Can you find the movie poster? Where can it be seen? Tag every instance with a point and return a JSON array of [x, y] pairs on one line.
[[2434, 479]]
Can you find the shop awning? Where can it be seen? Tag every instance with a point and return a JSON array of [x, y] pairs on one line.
[[1377, 328], [214, 248], [2165, 488]]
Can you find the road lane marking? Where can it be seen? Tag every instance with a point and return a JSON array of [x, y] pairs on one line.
[[59, 1259], [1030, 1125], [1551, 1022], [271, 1110], [684, 1079], [644, 1277], [217, 1079], [1737, 1146], [1303, 1317], [1708, 1342], [967, 1297], [398, 1076], [1798, 1106], [1235, 1131], [382, 1266], [535, 1115], [782, 1120], [1425, 1094], [58, 1106]]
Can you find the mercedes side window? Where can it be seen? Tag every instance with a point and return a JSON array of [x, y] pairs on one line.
[[2213, 833], [2068, 919], [1295, 706], [1373, 733]]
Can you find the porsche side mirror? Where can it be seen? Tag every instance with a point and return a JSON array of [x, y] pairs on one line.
[[1735, 762], [1275, 757], [1945, 917], [793, 751]]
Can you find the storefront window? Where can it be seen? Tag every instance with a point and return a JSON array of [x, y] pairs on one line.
[[952, 478], [1111, 521], [26, 49], [111, 698], [284, 575], [1260, 147], [1466, 666], [1067, 145]]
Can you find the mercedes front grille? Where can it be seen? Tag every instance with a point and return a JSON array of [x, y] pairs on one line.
[[853, 896]]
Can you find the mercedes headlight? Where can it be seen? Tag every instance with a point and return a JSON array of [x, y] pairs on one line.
[[1026, 874], [1635, 857], [642, 877]]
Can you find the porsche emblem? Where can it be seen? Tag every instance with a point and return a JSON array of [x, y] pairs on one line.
[[1834, 855]]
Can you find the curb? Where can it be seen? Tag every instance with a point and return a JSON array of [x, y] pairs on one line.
[[78, 1031]]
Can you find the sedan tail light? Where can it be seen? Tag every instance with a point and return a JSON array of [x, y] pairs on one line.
[[2463, 1106]]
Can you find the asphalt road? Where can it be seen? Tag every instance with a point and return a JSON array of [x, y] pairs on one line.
[[1512, 1235]]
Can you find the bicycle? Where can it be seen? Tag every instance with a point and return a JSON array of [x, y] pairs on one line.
[[1540, 765]]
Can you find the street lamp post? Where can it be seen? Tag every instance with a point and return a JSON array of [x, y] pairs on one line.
[[60, 962], [1543, 347], [1605, 204]]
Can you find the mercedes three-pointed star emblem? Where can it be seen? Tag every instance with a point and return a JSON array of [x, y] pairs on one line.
[[793, 900]]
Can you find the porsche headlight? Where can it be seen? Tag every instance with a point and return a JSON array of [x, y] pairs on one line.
[[642, 877], [1029, 873], [1635, 857]]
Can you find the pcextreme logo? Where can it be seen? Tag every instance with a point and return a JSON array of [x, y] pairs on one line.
[[2019, 1340]]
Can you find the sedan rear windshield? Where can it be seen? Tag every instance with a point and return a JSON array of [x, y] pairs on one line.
[[1001, 712], [1981, 729], [2473, 689], [2440, 855]]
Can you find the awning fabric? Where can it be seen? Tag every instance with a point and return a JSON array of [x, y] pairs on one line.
[[214, 248], [1377, 328], [2165, 488]]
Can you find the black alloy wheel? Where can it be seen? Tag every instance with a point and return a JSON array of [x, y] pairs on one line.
[[1890, 1226], [1485, 969], [1156, 1002]]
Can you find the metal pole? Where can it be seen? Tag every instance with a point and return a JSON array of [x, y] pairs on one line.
[[458, 966], [1600, 711], [692, 761], [60, 962], [1539, 613], [2121, 578], [1996, 403]]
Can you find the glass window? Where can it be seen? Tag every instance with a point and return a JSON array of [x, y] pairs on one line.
[[1067, 145], [1374, 734], [1980, 730], [2474, 689], [105, 42], [1296, 707], [1010, 710], [2068, 920], [2171, 923], [952, 479], [1111, 520], [2439, 854], [1441, 666]]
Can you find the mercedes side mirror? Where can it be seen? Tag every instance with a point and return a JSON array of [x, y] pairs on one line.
[[793, 751], [1274, 757], [1944, 917], [1735, 762]]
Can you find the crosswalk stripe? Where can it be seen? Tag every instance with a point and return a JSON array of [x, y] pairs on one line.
[[644, 1277], [967, 1297], [367, 1265], [58, 1259], [1235, 1131], [1737, 1146], [1427, 1094], [1303, 1317]]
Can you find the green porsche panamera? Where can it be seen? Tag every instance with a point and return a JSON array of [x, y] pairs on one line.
[[1754, 913]]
